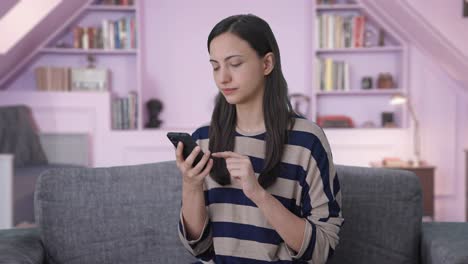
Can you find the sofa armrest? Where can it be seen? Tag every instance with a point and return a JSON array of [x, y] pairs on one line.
[[21, 245], [444, 243]]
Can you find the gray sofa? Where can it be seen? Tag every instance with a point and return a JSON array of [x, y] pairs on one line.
[[129, 215]]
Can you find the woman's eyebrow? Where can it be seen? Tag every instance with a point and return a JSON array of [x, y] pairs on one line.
[[227, 58]]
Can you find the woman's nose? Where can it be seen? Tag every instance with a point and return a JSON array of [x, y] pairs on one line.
[[225, 75]]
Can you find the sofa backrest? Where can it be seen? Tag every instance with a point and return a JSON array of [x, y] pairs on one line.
[[111, 215], [383, 212], [130, 215]]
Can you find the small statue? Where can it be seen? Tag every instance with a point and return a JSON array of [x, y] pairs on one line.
[[154, 107], [91, 61]]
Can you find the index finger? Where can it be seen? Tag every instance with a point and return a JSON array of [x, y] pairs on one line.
[[227, 154]]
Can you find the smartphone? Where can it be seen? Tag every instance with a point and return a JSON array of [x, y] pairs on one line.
[[189, 145]]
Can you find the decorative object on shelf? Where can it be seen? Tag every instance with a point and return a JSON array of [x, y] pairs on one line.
[[465, 8], [399, 99], [385, 81], [369, 38], [154, 107], [91, 61], [89, 79], [388, 120], [335, 121], [300, 103], [368, 124], [366, 83], [381, 37]]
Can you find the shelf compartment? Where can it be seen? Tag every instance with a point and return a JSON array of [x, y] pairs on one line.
[[111, 8], [360, 50], [361, 92], [71, 51], [338, 7]]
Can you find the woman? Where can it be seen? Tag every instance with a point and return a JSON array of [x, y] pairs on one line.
[[269, 192]]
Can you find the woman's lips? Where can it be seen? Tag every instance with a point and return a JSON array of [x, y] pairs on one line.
[[229, 90]]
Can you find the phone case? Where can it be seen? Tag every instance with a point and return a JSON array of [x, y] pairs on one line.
[[189, 145]]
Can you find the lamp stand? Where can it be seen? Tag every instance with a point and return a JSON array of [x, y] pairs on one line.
[[416, 137]]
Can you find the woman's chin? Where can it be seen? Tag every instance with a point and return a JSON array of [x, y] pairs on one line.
[[231, 99]]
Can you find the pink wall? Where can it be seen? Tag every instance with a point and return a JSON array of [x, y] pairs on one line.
[[177, 67], [446, 17]]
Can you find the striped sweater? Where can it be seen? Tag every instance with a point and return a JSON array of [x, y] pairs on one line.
[[236, 230]]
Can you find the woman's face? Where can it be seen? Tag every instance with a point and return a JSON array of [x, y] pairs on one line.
[[237, 70]]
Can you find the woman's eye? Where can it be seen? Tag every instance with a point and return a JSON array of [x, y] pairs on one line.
[[215, 69], [236, 65]]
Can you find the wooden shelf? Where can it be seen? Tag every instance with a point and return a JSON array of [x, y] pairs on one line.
[[89, 51], [360, 50], [361, 92], [338, 7], [111, 8]]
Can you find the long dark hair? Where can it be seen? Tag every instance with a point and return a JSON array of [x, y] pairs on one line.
[[278, 113]]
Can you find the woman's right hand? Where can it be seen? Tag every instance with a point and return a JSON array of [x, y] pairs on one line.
[[193, 177]]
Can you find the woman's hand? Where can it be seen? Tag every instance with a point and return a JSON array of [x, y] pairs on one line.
[[241, 170], [193, 177]]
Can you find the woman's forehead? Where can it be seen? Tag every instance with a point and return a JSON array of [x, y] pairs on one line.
[[227, 45]]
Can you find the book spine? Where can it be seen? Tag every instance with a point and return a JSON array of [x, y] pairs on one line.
[[77, 36]]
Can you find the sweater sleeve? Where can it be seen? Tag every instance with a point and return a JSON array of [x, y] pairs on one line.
[[201, 247], [320, 205]]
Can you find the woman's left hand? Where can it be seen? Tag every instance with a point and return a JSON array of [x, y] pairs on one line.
[[240, 168]]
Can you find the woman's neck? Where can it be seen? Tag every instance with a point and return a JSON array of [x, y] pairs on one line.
[[250, 117]]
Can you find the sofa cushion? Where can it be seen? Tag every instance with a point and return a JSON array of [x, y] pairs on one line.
[[18, 136], [444, 243], [21, 246], [382, 209], [111, 215]]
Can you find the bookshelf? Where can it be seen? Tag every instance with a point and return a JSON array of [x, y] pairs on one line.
[[347, 42], [113, 41]]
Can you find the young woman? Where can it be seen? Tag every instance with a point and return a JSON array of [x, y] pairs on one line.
[[269, 192]]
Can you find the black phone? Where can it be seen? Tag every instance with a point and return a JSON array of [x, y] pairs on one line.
[[189, 145]]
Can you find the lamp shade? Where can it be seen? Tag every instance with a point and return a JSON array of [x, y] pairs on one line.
[[398, 99]]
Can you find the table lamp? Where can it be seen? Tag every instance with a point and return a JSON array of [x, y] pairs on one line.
[[399, 99]]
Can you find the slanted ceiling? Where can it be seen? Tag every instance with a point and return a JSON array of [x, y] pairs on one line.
[[415, 29], [6, 5], [20, 55]]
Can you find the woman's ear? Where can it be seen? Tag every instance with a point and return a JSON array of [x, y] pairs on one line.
[[268, 63]]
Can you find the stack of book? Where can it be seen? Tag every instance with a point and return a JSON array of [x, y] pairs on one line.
[[115, 2], [338, 31], [119, 34], [49, 78], [125, 112], [332, 75]]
